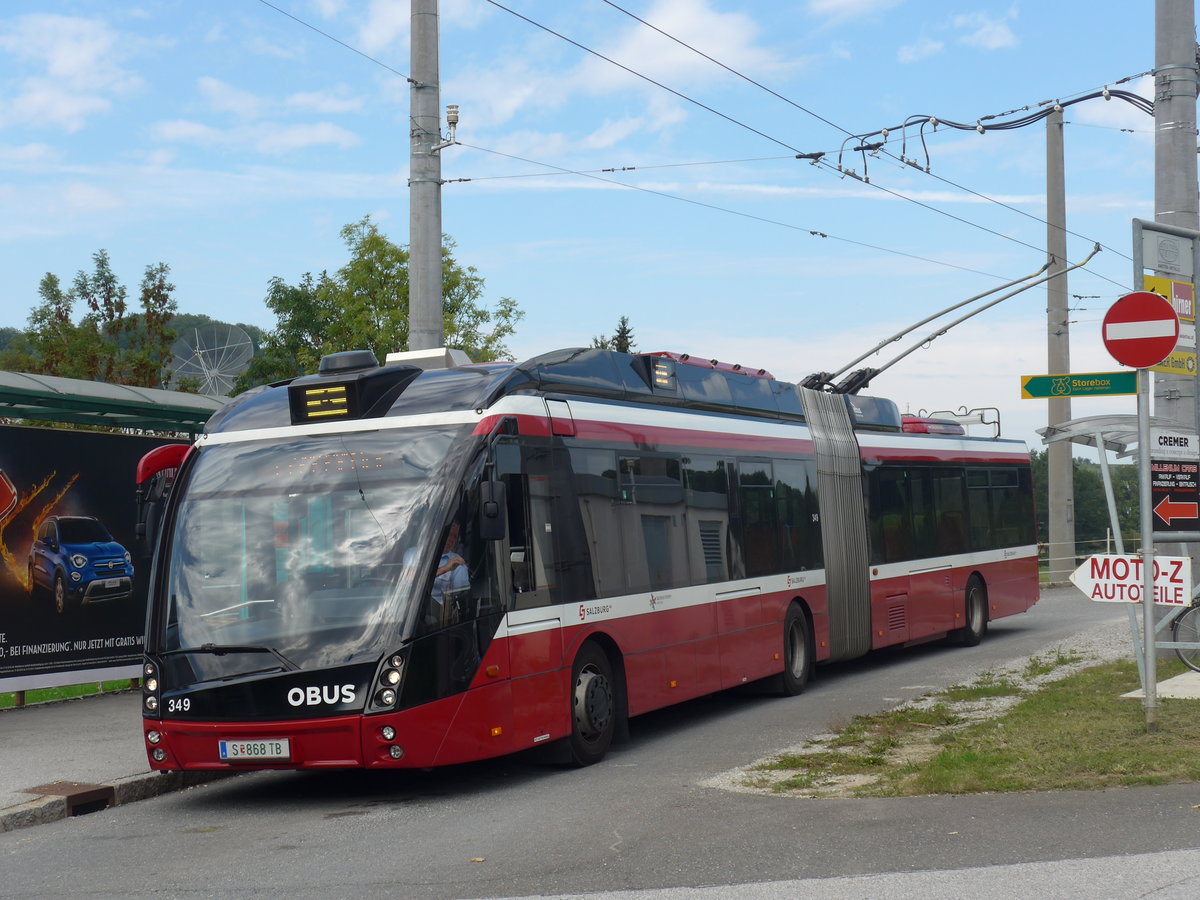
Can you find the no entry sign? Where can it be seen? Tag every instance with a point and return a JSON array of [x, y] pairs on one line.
[[1140, 330]]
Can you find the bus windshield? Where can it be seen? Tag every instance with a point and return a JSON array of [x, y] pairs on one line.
[[302, 554]]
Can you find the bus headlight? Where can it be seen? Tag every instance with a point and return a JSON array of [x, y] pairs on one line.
[[150, 689], [389, 677]]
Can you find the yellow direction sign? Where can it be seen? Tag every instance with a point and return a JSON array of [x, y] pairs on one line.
[[1182, 296]]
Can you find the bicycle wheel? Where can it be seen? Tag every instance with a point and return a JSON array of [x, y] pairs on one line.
[[1186, 629]]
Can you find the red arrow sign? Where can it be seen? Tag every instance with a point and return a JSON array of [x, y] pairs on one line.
[[1168, 509], [1140, 330]]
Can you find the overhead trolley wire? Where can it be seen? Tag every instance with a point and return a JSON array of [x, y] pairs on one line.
[[335, 40], [1134, 99], [816, 158], [734, 212], [646, 78]]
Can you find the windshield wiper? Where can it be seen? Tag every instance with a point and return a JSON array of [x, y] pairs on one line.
[[222, 649]]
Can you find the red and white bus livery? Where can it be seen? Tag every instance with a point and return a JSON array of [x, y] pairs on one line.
[[385, 566]]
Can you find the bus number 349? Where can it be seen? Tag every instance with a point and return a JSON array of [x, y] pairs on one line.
[[179, 704]]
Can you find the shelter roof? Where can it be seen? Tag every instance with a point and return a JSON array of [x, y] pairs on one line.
[[49, 398], [1117, 433]]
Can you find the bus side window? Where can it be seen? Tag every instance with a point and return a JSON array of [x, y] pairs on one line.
[[892, 513]]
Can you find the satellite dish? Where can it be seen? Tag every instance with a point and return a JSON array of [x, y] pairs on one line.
[[213, 355]]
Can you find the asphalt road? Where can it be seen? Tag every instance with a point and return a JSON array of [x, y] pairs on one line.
[[639, 821]]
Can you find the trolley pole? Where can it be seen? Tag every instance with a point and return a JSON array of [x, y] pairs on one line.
[[424, 183]]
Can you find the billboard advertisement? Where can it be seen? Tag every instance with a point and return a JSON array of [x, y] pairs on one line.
[[72, 582]]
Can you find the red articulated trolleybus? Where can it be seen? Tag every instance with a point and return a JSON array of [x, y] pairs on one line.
[[385, 566]]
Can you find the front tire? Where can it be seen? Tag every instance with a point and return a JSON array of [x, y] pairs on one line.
[[594, 707]]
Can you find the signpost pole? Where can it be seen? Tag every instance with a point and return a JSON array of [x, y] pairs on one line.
[[1149, 681]]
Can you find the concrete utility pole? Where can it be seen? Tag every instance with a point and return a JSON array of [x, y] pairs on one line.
[[1175, 184], [424, 183], [1060, 469]]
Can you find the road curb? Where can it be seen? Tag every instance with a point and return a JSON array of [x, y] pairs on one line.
[[53, 807]]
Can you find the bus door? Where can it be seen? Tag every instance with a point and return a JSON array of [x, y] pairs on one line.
[[743, 620], [535, 643], [915, 522]]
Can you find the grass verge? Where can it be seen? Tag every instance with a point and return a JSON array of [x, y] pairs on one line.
[[1017, 732], [68, 692]]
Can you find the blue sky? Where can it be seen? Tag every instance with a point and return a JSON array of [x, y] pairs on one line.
[[232, 142]]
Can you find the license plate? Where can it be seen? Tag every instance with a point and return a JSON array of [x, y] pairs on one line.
[[269, 748], [112, 582]]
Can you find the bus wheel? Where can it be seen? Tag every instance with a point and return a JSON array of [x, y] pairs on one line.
[[593, 706], [797, 651], [977, 613]]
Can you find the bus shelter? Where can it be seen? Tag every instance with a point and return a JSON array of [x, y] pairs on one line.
[[48, 398], [73, 577], [1119, 434]]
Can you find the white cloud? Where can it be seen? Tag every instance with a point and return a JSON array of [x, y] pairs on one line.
[[500, 92], [184, 132], [276, 140], [728, 37], [986, 32], [1117, 113], [386, 21], [262, 137], [259, 46], [328, 102], [327, 9], [920, 49], [224, 97], [70, 70], [88, 198], [29, 155], [849, 9]]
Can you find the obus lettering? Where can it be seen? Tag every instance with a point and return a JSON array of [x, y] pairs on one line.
[[318, 695]]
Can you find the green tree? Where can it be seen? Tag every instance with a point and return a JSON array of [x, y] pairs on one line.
[[108, 343], [364, 304], [1092, 522], [153, 335], [622, 339]]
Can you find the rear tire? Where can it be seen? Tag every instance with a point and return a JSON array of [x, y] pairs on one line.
[[594, 707], [797, 652], [976, 612]]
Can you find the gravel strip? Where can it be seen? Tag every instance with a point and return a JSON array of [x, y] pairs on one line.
[[1091, 647]]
